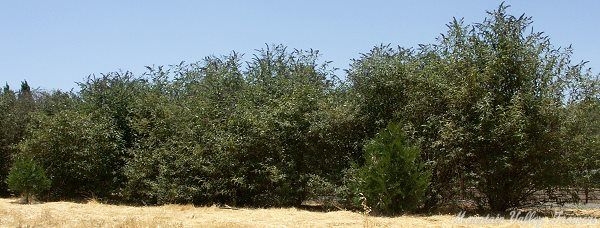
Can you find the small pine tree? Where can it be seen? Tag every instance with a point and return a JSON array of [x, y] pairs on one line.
[[393, 178], [27, 178]]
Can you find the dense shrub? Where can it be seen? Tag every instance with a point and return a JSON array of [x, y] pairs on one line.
[[486, 104], [79, 152], [494, 111], [393, 179], [583, 142], [14, 116], [28, 179], [218, 134]]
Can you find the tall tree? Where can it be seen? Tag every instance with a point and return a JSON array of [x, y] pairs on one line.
[[486, 102], [17, 107], [7, 134]]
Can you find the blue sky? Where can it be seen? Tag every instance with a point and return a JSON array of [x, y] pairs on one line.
[[53, 44]]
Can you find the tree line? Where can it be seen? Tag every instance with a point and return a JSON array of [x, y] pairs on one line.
[[485, 117]]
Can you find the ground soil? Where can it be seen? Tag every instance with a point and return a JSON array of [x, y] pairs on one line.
[[95, 214]]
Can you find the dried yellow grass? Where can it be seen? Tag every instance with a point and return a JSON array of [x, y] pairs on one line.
[[96, 214]]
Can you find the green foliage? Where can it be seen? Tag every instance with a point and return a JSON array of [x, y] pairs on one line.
[[381, 79], [583, 141], [218, 134], [14, 117], [7, 100], [497, 113], [27, 178], [55, 101], [80, 152], [504, 89], [486, 104], [166, 164], [393, 178], [111, 95]]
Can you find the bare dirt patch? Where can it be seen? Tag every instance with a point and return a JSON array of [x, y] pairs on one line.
[[94, 214]]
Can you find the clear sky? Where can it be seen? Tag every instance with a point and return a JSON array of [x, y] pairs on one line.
[[53, 44]]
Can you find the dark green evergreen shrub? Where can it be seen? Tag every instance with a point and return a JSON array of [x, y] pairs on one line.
[[27, 178], [15, 108], [393, 178]]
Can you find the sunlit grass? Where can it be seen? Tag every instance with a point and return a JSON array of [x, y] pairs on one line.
[[97, 214]]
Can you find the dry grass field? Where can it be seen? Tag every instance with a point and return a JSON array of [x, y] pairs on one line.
[[94, 214]]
